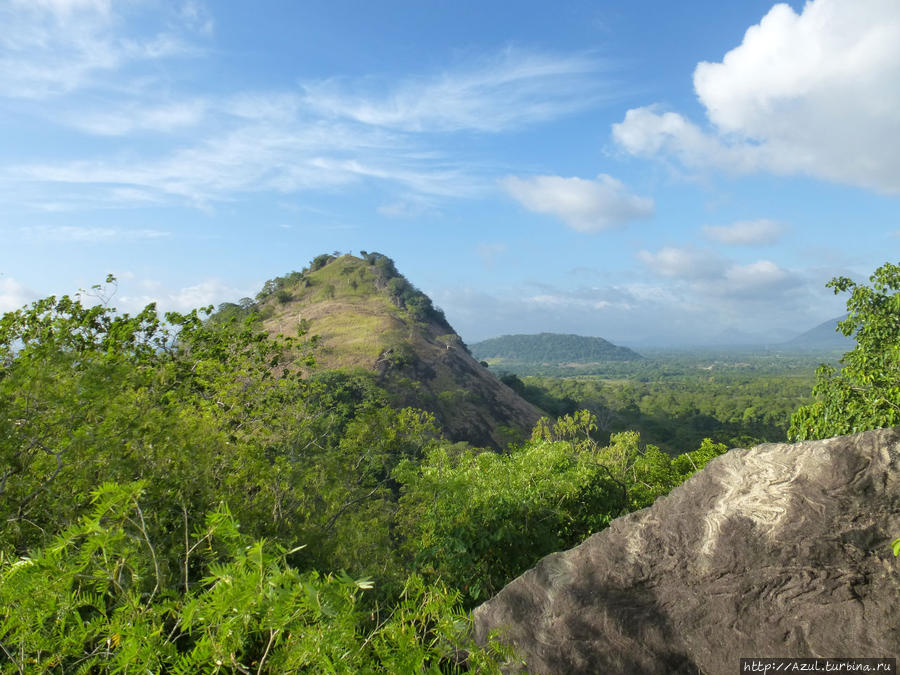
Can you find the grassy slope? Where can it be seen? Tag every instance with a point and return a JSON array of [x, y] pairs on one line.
[[418, 362]]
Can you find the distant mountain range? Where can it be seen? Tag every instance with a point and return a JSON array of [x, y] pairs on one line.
[[551, 348], [825, 336]]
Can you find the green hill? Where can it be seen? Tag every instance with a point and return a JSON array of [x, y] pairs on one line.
[[551, 349], [369, 318]]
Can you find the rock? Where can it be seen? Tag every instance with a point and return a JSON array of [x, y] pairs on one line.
[[777, 551]]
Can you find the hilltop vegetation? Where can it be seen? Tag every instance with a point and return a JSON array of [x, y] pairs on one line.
[[369, 321], [182, 494], [550, 348]]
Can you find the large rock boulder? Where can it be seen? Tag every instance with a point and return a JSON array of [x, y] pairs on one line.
[[781, 550]]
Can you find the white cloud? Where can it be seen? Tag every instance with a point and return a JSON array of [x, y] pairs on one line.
[[195, 15], [561, 300], [137, 117], [816, 93], [683, 263], [634, 312], [109, 68], [51, 47], [708, 274], [14, 295], [72, 233], [65, 7], [584, 205], [497, 93], [746, 232], [647, 132], [762, 276], [207, 292], [405, 208]]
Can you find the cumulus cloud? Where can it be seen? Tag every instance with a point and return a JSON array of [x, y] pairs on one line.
[[584, 205], [814, 93], [746, 232], [14, 295], [708, 274], [760, 277]]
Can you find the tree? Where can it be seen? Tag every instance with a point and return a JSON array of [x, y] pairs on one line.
[[865, 394], [96, 600]]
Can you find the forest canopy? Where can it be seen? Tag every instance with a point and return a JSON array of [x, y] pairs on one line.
[[182, 494]]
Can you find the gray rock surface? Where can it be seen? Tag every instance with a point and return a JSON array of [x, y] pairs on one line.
[[776, 551]]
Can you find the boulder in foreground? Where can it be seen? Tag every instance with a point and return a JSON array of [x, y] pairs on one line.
[[776, 551]]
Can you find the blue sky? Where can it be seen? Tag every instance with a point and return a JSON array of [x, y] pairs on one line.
[[650, 172]]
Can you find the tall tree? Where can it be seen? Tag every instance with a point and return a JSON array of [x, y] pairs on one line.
[[865, 394]]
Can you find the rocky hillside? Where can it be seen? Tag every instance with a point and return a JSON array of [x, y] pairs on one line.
[[369, 317], [780, 550]]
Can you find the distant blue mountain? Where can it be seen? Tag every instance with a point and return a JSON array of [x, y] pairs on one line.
[[823, 336]]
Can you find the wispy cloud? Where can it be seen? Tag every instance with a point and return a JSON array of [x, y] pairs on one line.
[[496, 93], [683, 262], [111, 70], [70, 233], [253, 158], [52, 47], [14, 295], [746, 232], [138, 293], [214, 148], [137, 117], [490, 252]]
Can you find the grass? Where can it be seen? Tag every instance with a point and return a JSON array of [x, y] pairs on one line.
[[354, 321]]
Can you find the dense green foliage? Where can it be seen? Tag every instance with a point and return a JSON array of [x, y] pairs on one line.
[[551, 348], [477, 520], [865, 394], [96, 599], [677, 411], [665, 364], [401, 292], [120, 435], [387, 280]]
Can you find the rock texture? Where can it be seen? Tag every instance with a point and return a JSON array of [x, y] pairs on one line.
[[780, 550]]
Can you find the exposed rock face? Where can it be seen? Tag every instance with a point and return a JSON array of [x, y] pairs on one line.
[[780, 550]]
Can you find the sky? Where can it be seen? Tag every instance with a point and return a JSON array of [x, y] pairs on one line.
[[651, 172]]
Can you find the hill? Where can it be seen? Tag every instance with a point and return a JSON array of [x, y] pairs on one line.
[[550, 349], [825, 336], [368, 317]]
